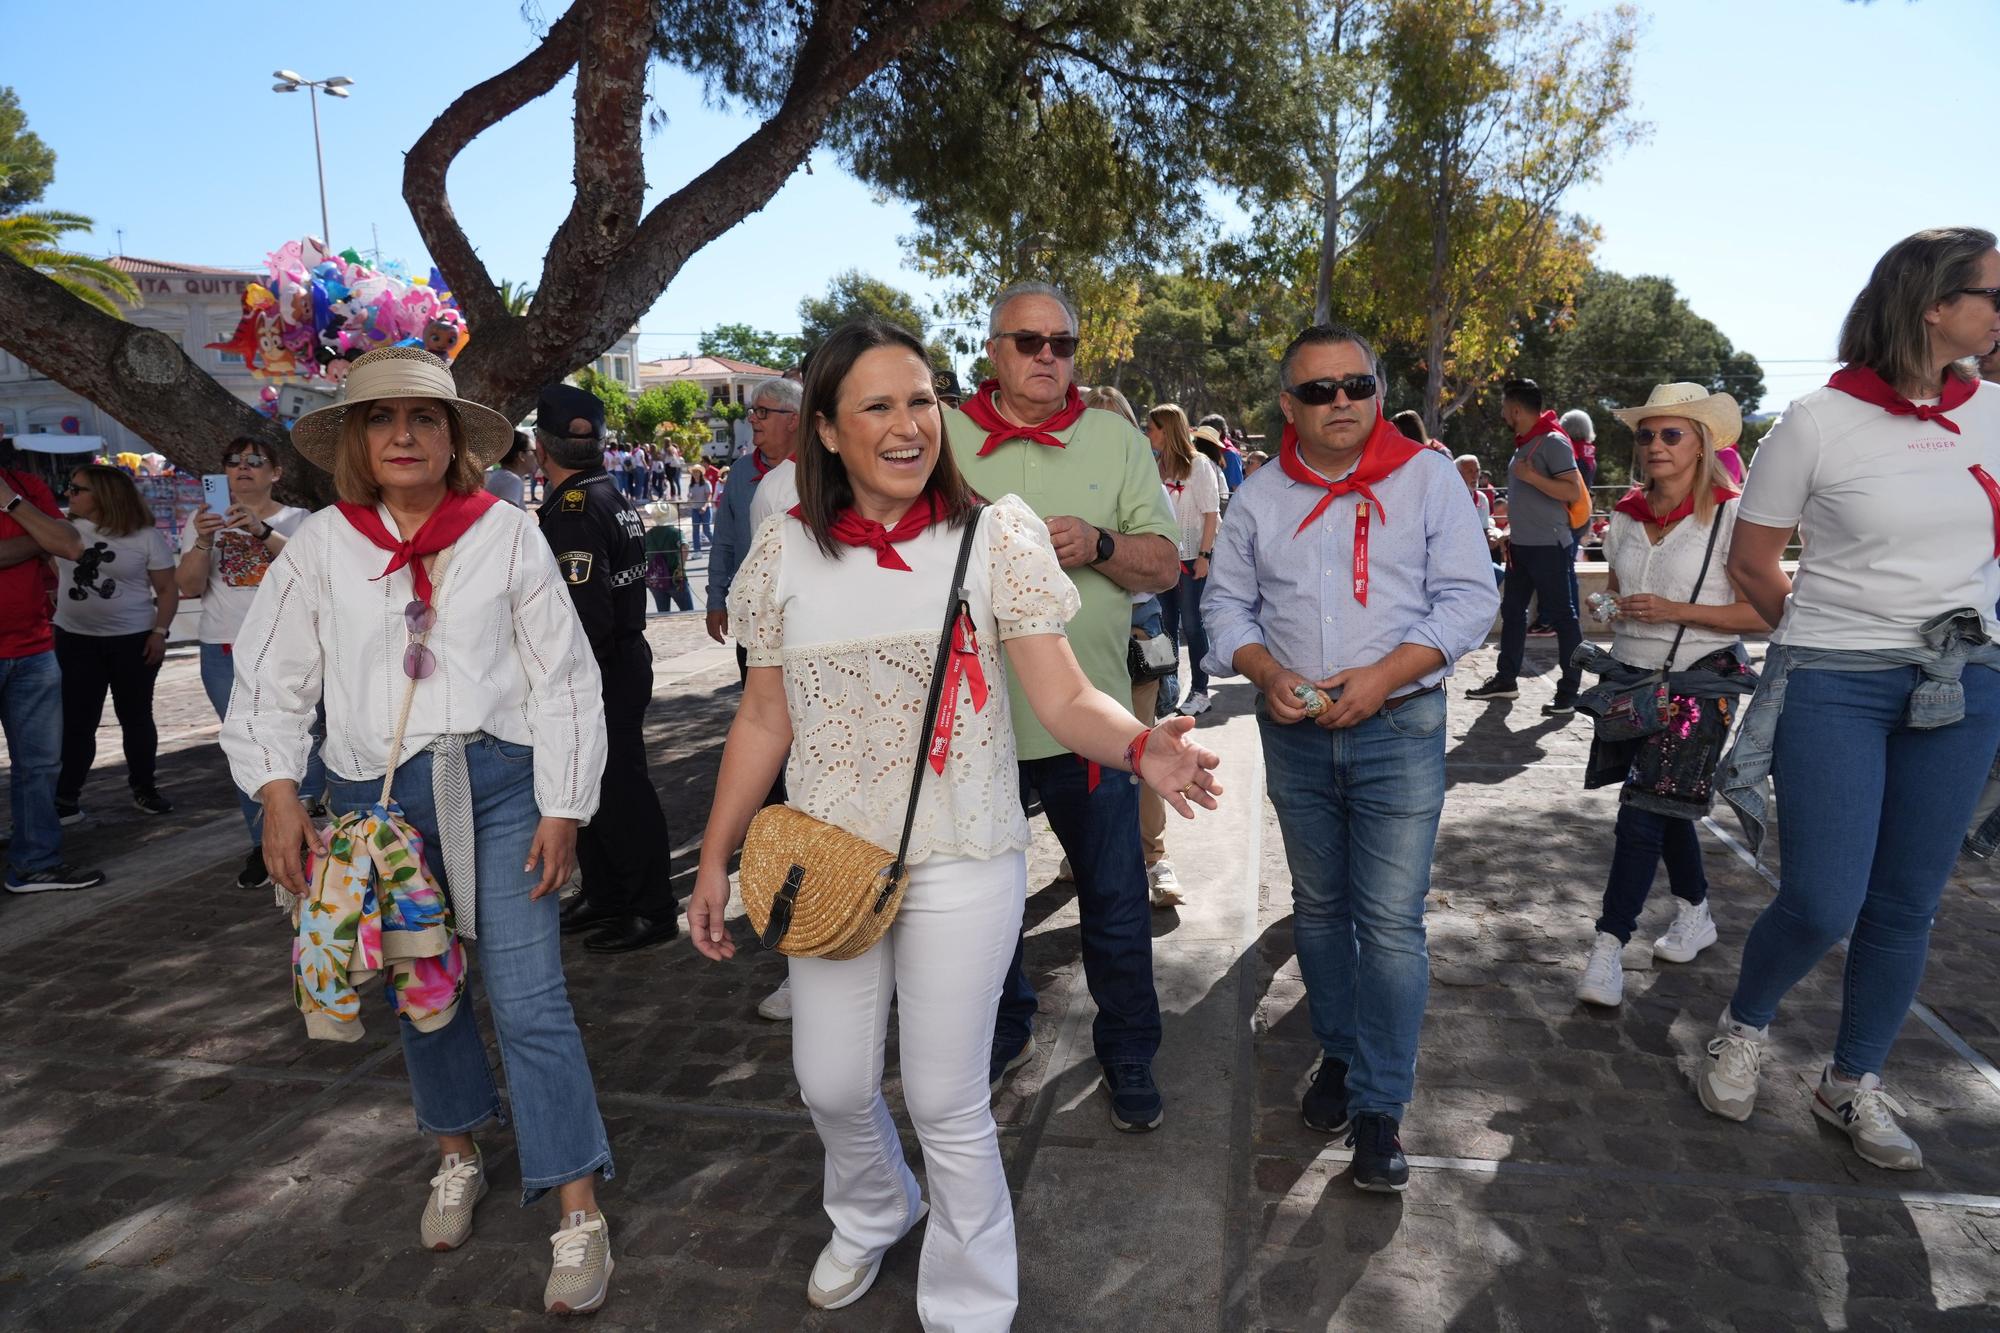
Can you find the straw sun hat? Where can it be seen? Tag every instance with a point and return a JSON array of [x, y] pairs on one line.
[[402, 372], [1717, 411]]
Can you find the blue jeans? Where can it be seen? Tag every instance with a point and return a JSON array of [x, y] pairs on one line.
[[1870, 814], [1644, 840], [31, 717], [701, 527], [1543, 573], [557, 1130], [1099, 833], [1359, 811], [1180, 609], [218, 678]]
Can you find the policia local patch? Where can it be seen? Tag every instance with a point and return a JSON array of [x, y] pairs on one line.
[[575, 566]]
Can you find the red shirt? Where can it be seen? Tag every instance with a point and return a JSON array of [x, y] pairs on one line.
[[25, 587]]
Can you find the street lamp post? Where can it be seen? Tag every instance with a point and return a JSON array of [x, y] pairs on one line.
[[337, 86]]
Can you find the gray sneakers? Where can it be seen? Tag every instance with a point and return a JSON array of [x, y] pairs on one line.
[[581, 1277], [1728, 1083], [834, 1286], [456, 1190], [1867, 1115]]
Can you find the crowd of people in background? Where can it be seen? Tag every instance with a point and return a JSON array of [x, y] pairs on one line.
[[1109, 551]]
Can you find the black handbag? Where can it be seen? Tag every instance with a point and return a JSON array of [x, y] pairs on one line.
[[1641, 709]]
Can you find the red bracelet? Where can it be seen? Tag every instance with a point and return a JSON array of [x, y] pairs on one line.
[[1136, 751]]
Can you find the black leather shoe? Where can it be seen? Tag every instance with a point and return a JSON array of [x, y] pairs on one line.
[[633, 933], [579, 914]]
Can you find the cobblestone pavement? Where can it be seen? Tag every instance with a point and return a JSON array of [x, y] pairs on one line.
[[174, 1154]]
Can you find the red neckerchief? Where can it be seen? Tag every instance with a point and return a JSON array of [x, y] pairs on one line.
[[850, 529], [1634, 505], [1548, 423], [758, 465], [963, 663], [1385, 450], [1863, 383], [445, 525], [985, 414]]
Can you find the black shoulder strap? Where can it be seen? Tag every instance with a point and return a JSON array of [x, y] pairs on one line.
[[953, 606], [1714, 531]]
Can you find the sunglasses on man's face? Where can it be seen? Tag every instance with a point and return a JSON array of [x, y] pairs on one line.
[[244, 460], [1031, 344], [1672, 435], [1318, 393]]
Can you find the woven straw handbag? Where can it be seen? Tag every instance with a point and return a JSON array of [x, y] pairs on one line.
[[816, 891]]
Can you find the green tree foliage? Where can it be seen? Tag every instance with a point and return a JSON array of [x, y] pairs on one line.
[[760, 347], [28, 164], [649, 412], [684, 401], [1622, 336], [855, 295], [516, 296], [35, 237], [617, 402]]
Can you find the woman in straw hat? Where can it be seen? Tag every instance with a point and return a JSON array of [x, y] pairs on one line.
[[840, 604], [1676, 612], [1879, 708], [419, 593]]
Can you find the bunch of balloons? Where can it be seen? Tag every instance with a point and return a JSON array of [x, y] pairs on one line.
[[316, 311]]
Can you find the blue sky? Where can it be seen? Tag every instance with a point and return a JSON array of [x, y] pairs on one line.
[[1792, 140]]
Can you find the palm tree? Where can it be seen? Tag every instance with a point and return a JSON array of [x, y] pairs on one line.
[[34, 237], [516, 299]]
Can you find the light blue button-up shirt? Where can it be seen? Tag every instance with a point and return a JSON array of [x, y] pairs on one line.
[[1430, 579]]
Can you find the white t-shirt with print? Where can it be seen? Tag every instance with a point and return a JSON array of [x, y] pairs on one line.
[[108, 591], [1895, 527], [236, 568]]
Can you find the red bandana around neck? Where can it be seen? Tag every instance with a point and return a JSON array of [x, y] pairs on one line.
[[1863, 383], [445, 526], [1385, 450], [850, 529], [758, 466], [1548, 423], [1635, 505], [982, 409]]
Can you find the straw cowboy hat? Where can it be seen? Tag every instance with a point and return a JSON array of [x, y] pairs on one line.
[[1717, 411], [402, 372]]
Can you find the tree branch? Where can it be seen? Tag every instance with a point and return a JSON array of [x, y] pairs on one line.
[[473, 112], [610, 170]]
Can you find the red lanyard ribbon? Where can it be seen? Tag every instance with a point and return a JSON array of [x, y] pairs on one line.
[[1992, 489], [963, 663]]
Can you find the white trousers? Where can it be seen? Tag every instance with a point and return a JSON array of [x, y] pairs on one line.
[[943, 960]]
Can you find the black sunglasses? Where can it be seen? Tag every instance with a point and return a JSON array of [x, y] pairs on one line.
[[1990, 293], [1031, 344], [74, 489], [1670, 436], [1318, 393]]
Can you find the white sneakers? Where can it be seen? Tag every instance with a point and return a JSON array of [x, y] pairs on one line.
[[1164, 885], [1604, 975], [777, 1006], [1693, 930], [834, 1286], [1194, 705], [580, 1278], [1728, 1083], [456, 1190], [1867, 1115]]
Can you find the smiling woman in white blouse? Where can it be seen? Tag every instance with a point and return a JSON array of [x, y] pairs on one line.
[[419, 582], [840, 604]]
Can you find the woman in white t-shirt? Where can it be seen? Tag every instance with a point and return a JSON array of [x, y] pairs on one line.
[[839, 605], [1667, 547], [114, 606], [1194, 485], [224, 558], [1887, 709]]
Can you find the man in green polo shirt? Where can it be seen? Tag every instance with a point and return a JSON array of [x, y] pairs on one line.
[[1092, 478]]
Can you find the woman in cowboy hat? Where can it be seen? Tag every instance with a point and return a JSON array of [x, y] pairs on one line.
[[1676, 612], [419, 592]]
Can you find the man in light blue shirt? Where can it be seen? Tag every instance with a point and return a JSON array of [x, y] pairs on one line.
[[1354, 568]]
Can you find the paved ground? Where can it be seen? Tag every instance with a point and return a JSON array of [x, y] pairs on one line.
[[174, 1154]]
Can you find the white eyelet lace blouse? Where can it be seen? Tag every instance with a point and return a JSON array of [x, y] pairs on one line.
[[857, 643]]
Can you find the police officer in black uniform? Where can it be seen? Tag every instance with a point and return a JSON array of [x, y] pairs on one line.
[[596, 535]]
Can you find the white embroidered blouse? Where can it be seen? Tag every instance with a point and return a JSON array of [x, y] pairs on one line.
[[857, 644], [512, 660]]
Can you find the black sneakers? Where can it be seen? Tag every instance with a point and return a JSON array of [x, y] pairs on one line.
[[52, 879], [1562, 706], [68, 813], [1496, 687], [1378, 1154], [149, 800], [1136, 1104], [1325, 1104], [253, 875]]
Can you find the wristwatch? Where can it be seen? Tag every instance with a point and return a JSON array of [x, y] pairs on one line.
[[1206, 555], [1106, 547], [8, 508]]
